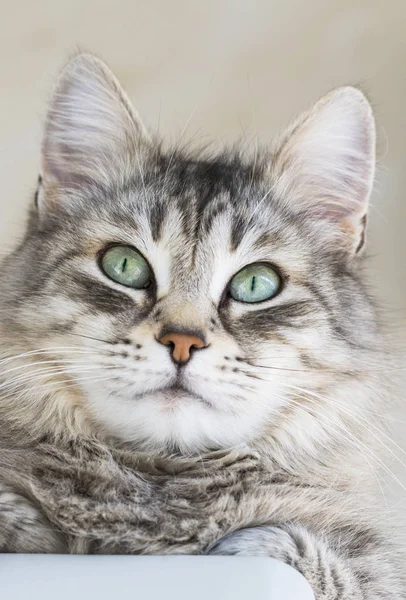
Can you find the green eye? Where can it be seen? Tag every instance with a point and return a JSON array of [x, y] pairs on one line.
[[126, 266], [255, 283]]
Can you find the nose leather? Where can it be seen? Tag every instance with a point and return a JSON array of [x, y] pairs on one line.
[[182, 344]]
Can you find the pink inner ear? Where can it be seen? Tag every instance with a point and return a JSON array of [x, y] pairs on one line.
[[324, 166], [326, 161], [91, 129]]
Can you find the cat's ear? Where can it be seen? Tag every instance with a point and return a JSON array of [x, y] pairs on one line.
[[91, 129], [324, 165]]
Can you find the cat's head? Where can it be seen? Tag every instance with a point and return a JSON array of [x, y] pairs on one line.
[[190, 303]]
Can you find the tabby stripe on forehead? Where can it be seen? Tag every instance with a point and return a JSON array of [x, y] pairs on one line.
[[267, 239], [217, 210], [238, 230], [156, 218]]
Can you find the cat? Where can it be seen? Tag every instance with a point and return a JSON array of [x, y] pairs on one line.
[[189, 357]]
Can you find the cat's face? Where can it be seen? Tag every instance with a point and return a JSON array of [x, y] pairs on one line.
[[128, 272]]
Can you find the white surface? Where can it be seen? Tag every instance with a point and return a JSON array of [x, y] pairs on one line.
[[54, 577]]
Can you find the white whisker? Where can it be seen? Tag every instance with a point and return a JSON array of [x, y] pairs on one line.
[[352, 438], [48, 350], [360, 420]]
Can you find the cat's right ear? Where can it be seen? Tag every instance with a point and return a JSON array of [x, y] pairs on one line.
[[91, 131]]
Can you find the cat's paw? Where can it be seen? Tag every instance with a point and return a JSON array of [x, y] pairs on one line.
[[256, 541], [24, 528]]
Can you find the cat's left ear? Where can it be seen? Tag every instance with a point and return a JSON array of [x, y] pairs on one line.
[[324, 165], [92, 133]]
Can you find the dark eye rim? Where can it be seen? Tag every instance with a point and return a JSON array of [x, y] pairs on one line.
[[151, 285], [227, 297]]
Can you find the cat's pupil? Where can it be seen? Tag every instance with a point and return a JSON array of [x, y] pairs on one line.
[[253, 284], [124, 265]]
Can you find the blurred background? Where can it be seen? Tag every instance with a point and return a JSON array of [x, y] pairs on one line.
[[225, 70]]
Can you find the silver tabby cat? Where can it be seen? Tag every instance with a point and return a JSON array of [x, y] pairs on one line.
[[189, 358]]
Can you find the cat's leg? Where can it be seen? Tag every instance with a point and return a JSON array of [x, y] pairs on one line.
[[331, 574], [23, 528]]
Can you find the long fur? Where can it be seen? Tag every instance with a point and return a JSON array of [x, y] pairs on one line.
[[266, 442]]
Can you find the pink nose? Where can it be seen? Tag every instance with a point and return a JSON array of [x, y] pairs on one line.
[[182, 344]]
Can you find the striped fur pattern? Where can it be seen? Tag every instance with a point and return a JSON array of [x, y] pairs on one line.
[[92, 400]]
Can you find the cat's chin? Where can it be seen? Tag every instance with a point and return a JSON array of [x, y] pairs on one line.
[[174, 419]]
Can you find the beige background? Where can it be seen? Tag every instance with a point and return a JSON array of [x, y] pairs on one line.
[[221, 69]]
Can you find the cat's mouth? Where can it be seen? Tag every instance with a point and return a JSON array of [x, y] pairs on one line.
[[177, 391], [176, 388]]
